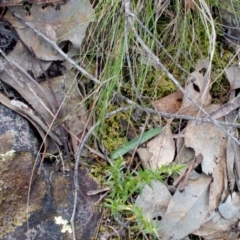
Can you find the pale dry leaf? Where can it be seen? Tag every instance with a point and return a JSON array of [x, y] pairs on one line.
[[186, 210], [207, 139], [232, 151], [169, 104], [163, 149], [233, 76], [26, 60], [184, 154], [230, 163], [197, 89], [186, 238], [145, 156], [29, 89], [218, 184], [226, 108], [202, 63], [153, 200], [194, 175], [231, 207], [74, 112], [219, 228], [29, 114], [236, 169], [68, 24], [214, 229]]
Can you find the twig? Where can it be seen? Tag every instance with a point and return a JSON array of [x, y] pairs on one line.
[[184, 177], [76, 180], [59, 50], [163, 114]]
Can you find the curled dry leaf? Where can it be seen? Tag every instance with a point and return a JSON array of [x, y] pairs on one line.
[[169, 104], [233, 76], [226, 108], [184, 154], [154, 200], [218, 185], [162, 149], [207, 139], [29, 89], [197, 89], [231, 208], [144, 155], [219, 227], [67, 24], [232, 152], [186, 210], [216, 228], [73, 110], [32, 116]]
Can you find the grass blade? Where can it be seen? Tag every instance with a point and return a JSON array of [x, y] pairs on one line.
[[135, 142]]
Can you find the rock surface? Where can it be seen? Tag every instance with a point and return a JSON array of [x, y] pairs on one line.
[[46, 211]]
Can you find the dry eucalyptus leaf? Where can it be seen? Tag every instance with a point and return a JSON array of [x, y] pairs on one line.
[[233, 76], [186, 210], [154, 200], [214, 230], [219, 228], [32, 116], [207, 139], [163, 149], [27, 61], [74, 112], [231, 208], [218, 184], [67, 24], [145, 156], [184, 154], [202, 63], [230, 163], [169, 104], [197, 89], [30, 90], [233, 152], [226, 108]]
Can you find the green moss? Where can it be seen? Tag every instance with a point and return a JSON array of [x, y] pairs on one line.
[[112, 134]]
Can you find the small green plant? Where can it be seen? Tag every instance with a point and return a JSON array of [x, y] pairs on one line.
[[125, 186]]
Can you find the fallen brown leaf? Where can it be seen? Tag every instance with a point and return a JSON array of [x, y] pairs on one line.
[[169, 104]]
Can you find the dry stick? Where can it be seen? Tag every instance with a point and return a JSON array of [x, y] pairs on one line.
[[76, 180], [163, 68], [163, 114], [59, 50]]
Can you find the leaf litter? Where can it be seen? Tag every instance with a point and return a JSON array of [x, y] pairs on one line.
[[23, 65], [49, 103], [205, 203], [206, 206]]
